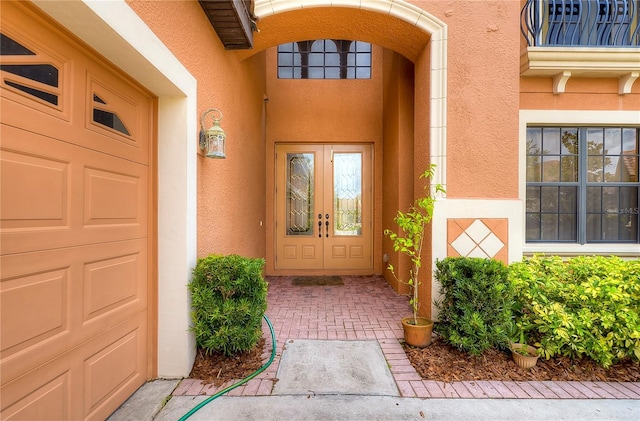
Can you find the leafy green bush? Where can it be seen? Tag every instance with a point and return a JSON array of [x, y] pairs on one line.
[[586, 306], [475, 310], [229, 298]]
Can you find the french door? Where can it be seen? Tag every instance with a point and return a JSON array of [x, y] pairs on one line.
[[323, 207]]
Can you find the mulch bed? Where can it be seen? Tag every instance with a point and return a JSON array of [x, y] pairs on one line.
[[439, 361], [217, 369]]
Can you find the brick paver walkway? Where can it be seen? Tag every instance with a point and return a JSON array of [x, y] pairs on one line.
[[366, 308]]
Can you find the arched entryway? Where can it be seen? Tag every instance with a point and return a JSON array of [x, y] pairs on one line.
[[412, 92]]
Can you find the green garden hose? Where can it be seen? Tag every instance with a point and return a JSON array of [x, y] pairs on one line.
[[241, 382]]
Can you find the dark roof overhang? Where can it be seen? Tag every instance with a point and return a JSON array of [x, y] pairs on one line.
[[232, 20]]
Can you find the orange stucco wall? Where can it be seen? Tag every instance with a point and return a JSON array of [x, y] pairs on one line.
[[482, 118], [420, 164], [231, 192], [398, 156]]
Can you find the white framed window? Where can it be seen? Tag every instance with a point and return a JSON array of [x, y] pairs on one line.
[[579, 181]]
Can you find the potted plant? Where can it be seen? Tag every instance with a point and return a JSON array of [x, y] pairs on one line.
[[409, 241], [524, 355]]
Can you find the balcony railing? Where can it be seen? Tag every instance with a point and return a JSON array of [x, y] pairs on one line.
[[581, 23]]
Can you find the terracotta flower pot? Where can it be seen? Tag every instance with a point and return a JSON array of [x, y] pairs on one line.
[[417, 335], [524, 361]]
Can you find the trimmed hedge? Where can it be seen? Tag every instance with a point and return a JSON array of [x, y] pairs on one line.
[[229, 299], [586, 306], [475, 311]]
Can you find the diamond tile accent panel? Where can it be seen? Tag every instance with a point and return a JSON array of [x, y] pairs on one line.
[[484, 238]]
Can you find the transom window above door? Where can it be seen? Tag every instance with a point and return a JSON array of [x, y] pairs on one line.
[[324, 59], [582, 184]]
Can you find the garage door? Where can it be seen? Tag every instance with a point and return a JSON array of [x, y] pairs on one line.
[[75, 213]]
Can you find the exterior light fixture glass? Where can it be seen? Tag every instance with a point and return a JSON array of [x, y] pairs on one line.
[[212, 140]]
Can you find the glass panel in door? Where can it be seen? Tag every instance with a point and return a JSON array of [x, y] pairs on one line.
[[299, 195], [347, 194]]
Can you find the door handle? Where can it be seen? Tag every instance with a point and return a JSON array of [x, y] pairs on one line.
[[327, 224], [319, 225]]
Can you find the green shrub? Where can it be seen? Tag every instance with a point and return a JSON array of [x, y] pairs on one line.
[[229, 298], [586, 306], [475, 309]]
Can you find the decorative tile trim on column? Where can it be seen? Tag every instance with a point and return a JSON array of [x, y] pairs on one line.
[[484, 237]]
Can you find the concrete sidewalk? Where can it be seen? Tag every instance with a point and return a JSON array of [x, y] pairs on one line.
[[353, 407], [360, 408]]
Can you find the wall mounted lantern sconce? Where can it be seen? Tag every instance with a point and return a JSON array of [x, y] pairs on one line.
[[212, 140]]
